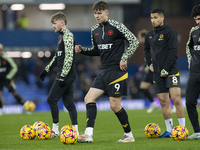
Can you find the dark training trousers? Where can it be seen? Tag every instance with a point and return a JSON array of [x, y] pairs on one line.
[[66, 93], [192, 94]]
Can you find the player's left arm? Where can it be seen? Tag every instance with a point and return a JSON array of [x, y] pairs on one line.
[[171, 51], [69, 53], [189, 47], [13, 70], [132, 43]]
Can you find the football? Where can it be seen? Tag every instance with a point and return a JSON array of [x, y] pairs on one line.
[[180, 133], [152, 130], [27, 132], [68, 134], [43, 132], [29, 106], [38, 124]]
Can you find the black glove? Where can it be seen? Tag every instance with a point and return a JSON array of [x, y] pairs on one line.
[[43, 75], [61, 82]]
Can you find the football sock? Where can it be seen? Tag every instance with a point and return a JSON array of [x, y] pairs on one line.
[[89, 131], [123, 118], [181, 121], [55, 127], [76, 127], [91, 114], [19, 99], [147, 94], [169, 124]]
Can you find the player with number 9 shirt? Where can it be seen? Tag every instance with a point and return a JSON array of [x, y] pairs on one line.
[[108, 38]]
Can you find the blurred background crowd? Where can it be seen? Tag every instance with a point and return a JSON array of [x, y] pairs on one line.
[[27, 35]]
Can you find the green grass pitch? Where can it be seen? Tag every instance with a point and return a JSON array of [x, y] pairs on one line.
[[106, 132]]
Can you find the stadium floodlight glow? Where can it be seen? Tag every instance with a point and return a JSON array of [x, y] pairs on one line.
[[17, 7], [55, 6], [15, 54], [40, 54], [47, 54], [26, 54]]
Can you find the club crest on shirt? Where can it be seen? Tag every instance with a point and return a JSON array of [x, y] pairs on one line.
[[161, 37], [110, 32]]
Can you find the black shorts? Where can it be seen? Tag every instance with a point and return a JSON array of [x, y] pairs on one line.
[[148, 77], [112, 81], [162, 84], [9, 84]]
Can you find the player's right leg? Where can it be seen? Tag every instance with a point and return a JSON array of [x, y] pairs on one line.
[[68, 102], [91, 112], [175, 94], [192, 94], [54, 95], [167, 114]]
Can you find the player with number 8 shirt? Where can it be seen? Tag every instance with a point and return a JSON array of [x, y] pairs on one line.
[[160, 49]]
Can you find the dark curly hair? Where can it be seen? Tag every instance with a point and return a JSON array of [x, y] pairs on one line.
[[195, 11]]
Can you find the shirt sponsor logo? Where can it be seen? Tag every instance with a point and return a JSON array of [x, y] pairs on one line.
[[197, 47], [59, 53], [96, 33], [104, 46]]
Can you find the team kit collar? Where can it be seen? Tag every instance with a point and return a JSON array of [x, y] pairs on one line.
[[160, 27]]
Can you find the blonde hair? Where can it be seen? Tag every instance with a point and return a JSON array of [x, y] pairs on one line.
[[59, 16]]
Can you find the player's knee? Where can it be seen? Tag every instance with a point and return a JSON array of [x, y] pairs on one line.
[[115, 107], [177, 101], [190, 103], [70, 107], [50, 101], [164, 103], [88, 99]]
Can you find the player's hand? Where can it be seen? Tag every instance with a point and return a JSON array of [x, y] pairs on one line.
[[61, 82], [164, 73], [123, 65], [189, 65], [151, 68], [43, 75], [78, 48], [141, 68]]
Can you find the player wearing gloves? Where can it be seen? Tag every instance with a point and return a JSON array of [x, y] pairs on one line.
[[66, 73], [161, 53]]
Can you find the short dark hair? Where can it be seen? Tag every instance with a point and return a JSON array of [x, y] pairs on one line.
[[195, 11], [158, 10], [100, 5], [59, 16]]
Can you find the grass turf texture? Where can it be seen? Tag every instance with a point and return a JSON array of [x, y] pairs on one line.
[[107, 131]]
